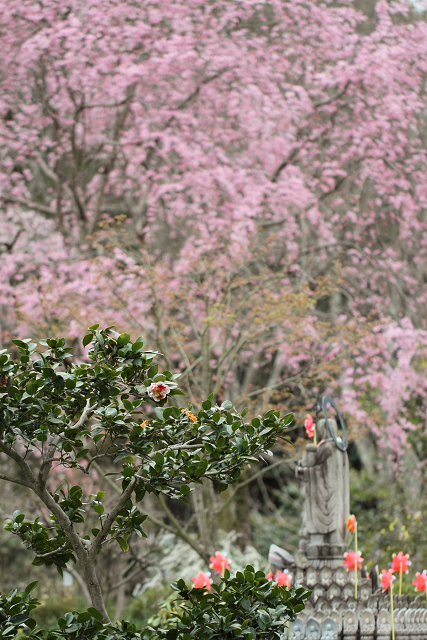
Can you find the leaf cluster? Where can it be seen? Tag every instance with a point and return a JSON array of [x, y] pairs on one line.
[[15, 610], [245, 607], [71, 414]]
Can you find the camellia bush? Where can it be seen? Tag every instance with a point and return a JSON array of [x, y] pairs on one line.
[[57, 413]]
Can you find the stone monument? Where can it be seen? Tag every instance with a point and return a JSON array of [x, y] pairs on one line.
[[324, 472], [332, 612]]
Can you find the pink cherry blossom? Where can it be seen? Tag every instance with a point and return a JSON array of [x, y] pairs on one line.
[[194, 180]]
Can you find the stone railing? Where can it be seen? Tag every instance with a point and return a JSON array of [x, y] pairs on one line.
[[333, 613]]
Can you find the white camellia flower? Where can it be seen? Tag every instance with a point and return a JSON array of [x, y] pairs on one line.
[[158, 391]]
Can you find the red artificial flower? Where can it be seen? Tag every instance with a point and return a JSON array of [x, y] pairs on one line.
[[309, 425], [219, 562], [351, 523], [202, 580], [270, 575], [351, 559], [283, 579], [399, 561], [420, 581], [387, 579]]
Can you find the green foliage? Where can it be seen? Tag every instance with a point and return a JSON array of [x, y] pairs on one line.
[[153, 607], [47, 548], [15, 609], [73, 412], [54, 605], [248, 607]]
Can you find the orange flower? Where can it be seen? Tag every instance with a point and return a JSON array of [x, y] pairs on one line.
[[145, 423], [351, 559], [400, 562], [190, 415], [351, 523]]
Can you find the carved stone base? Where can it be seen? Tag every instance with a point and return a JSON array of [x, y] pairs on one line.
[[333, 562]]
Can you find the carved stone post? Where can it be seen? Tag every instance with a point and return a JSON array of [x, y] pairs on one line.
[[329, 630], [296, 630], [367, 624], [383, 625], [350, 625], [312, 630]]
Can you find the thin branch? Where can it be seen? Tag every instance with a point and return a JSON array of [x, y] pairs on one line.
[[49, 554], [47, 463], [30, 205], [275, 386], [15, 480], [177, 529], [251, 479], [284, 163], [181, 532], [109, 520], [24, 466], [112, 484], [317, 105]]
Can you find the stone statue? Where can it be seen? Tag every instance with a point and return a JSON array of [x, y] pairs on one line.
[[324, 470]]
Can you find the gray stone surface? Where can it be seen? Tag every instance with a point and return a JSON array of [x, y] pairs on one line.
[[324, 472]]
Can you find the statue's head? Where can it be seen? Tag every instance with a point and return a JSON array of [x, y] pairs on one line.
[[323, 431]]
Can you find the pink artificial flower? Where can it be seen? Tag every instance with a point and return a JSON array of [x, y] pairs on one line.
[[219, 562], [309, 425], [399, 561], [283, 579], [202, 580], [387, 578], [351, 559], [270, 575], [351, 523], [420, 581], [158, 391]]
